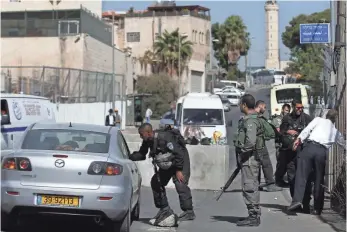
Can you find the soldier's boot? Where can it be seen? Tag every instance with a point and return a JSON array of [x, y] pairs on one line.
[[251, 220], [187, 215], [273, 188], [165, 218]]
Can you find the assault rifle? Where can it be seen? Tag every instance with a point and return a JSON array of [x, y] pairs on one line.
[[231, 178]]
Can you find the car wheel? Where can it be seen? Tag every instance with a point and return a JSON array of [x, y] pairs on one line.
[[136, 212], [120, 226], [8, 222]]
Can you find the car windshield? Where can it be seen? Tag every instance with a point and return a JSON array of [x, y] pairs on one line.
[[287, 95], [203, 117], [169, 115], [66, 140], [225, 101]]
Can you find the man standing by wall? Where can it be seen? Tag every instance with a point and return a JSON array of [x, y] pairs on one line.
[[118, 119]]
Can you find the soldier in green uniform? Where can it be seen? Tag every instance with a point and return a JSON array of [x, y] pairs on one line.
[[249, 142]]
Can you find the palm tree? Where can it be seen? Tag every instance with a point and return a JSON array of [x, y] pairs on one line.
[[233, 40], [167, 49], [147, 59]]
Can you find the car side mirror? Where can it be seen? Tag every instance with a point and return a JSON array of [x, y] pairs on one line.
[[5, 119]]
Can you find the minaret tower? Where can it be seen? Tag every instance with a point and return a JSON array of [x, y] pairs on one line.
[[272, 35]]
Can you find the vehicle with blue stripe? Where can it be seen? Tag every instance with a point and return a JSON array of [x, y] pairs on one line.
[[18, 111]]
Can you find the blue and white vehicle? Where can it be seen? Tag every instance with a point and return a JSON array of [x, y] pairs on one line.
[[18, 111]]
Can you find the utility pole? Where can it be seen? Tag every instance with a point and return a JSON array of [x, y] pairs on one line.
[[113, 66], [179, 64]]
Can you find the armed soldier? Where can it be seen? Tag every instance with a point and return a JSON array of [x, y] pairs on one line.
[[250, 144], [169, 153], [265, 161]]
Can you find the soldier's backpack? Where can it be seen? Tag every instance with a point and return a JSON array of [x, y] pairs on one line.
[[270, 131]]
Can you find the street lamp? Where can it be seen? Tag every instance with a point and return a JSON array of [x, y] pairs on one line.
[[179, 60]]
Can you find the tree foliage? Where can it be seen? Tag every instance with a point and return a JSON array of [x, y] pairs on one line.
[[233, 41], [168, 48], [305, 58], [163, 89]]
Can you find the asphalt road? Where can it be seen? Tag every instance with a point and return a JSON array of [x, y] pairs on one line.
[[218, 216]]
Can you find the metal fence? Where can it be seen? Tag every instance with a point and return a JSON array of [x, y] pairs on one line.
[[64, 85]]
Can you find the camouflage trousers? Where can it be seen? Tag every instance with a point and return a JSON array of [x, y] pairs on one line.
[[250, 164]]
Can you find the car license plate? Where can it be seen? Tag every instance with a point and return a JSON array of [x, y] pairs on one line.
[[60, 201]]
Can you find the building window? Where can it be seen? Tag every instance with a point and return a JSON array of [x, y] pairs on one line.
[[133, 37], [270, 35], [193, 35], [202, 38], [67, 27], [270, 17], [200, 35], [270, 45], [271, 54], [208, 37]]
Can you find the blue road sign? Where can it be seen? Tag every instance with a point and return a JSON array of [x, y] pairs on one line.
[[314, 33]]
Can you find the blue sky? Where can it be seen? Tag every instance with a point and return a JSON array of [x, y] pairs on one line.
[[252, 13]]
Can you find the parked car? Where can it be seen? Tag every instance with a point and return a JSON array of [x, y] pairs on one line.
[[71, 170], [167, 120], [226, 104], [232, 98]]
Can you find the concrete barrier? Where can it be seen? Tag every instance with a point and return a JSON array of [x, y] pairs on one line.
[[209, 164], [209, 167]]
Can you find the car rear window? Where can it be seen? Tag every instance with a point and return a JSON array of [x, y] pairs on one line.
[[279, 73], [288, 95], [68, 140]]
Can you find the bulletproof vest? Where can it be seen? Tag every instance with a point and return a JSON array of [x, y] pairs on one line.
[[240, 137], [162, 158]]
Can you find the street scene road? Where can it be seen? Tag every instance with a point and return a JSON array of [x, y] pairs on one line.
[[211, 215]]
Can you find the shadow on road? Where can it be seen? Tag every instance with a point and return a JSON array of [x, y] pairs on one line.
[[230, 219], [278, 207]]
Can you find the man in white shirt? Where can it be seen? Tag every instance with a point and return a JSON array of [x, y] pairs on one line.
[[317, 138], [148, 115]]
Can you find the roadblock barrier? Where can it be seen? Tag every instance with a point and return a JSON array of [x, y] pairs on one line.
[[209, 167]]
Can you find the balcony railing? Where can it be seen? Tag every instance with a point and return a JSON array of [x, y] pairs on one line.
[[169, 13]]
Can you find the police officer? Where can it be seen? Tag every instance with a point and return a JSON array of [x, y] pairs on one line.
[[250, 143], [292, 125], [265, 161], [276, 120], [171, 156]]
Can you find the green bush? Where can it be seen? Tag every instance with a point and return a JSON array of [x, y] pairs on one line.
[[164, 90]]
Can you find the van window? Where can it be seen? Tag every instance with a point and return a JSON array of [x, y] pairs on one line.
[[288, 95], [5, 114], [279, 73], [203, 117]]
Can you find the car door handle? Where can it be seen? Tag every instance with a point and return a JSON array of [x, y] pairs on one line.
[[132, 171], [136, 170]]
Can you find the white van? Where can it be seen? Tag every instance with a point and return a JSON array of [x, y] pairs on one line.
[[206, 112], [18, 111], [282, 94]]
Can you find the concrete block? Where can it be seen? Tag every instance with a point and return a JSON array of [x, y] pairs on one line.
[[209, 167]]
